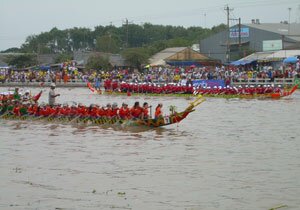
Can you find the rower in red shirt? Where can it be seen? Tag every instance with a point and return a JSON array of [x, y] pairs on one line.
[[16, 109], [115, 110], [108, 111], [136, 110], [145, 113], [124, 111]]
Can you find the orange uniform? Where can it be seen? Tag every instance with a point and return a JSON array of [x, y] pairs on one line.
[[158, 112], [146, 113]]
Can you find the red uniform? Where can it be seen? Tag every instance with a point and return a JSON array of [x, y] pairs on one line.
[[124, 113], [146, 113], [136, 112]]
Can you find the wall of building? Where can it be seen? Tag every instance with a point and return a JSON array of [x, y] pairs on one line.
[[257, 36], [215, 45]]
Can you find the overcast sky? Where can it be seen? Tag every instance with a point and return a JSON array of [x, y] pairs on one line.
[[21, 18]]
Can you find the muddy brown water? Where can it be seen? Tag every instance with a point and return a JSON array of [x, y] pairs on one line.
[[228, 154]]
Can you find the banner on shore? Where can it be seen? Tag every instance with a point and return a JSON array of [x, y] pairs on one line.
[[208, 83], [234, 32]]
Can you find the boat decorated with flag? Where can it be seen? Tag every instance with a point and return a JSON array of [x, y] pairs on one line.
[[18, 95], [92, 115]]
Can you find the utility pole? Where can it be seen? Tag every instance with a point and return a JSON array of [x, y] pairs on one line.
[[289, 19], [240, 37], [127, 31], [228, 10]]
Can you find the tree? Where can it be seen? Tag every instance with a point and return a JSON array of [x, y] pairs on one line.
[[135, 57], [98, 62], [110, 38], [21, 61], [107, 44], [63, 57], [11, 50]]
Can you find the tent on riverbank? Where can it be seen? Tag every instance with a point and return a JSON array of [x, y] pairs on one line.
[[269, 56], [181, 56]]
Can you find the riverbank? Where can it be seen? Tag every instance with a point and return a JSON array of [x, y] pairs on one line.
[[42, 84], [242, 82]]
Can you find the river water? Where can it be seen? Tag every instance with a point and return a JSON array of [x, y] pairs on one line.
[[228, 154]]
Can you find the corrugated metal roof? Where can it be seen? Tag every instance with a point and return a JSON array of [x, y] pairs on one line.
[[158, 58], [271, 55], [257, 56], [117, 60], [284, 54], [161, 57], [280, 28]]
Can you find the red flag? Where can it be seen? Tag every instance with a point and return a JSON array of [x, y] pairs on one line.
[[37, 97]]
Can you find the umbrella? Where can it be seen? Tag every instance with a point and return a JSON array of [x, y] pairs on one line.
[[290, 60]]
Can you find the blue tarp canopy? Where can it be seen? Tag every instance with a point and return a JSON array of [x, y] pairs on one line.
[[241, 62], [290, 60], [184, 63], [45, 68]]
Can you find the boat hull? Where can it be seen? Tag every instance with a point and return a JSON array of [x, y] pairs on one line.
[[283, 93]]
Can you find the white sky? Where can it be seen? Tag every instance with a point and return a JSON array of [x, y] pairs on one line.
[[21, 18]]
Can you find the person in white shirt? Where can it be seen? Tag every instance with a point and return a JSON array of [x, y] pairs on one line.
[[52, 95]]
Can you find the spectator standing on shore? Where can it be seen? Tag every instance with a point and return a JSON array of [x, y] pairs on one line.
[[97, 82], [52, 94]]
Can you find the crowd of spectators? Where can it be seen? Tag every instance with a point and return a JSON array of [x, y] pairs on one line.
[[152, 74]]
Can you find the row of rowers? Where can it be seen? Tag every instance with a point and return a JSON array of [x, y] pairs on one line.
[[110, 110]]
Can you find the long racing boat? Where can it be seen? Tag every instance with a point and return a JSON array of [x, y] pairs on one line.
[[185, 91], [172, 118]]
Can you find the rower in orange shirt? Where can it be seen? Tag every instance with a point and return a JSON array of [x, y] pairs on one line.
[[158, 111]]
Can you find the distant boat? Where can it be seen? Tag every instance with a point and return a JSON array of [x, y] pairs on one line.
[[188, 91]]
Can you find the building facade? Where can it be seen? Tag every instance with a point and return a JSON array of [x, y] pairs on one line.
[[245, 39]]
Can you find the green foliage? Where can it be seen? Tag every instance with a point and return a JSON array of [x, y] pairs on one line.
[[12, 50], [98, 62], [21, 61], [135, 57], [108, 44], [111, 38], [63, 57]]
